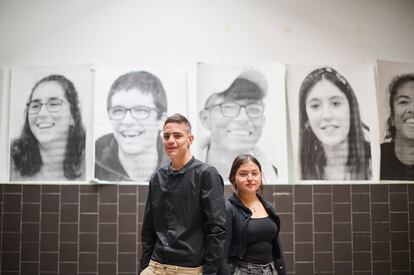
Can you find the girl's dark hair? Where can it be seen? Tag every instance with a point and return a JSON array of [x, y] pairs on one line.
[[311, 153], [239, 161], [396, 83], [25, 150]]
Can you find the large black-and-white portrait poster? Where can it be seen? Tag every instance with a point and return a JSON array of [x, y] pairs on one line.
[[396, 102], [131, 105], [3, 125], [50, 115], [334, 122], [241, 109]]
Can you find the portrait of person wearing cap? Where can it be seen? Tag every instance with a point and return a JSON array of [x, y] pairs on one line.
[[235, 120]]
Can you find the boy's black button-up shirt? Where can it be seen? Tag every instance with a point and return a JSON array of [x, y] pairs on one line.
[[184, 217]]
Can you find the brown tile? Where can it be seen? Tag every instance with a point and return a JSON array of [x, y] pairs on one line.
[[399, 241], [127, 263], [322, 189], [323, 263], [379, 212], [400, 261], [108, 193], [49, 242], [379, 193], [107, 233], [361, 241], [128, 189], [143, 193], [323, 242], [284, 203], [360, 188], [88, 242], [381, 268], [303, 212], [87, 262], [12, 203], [68, 252], [343, 268], [380, 232], [127, 223], [322, 203], [362, 261], [69, 232], [411, 212], [31, 193], [107, 252], [287, 242], [398, 188], [361, 222], [12, 188], [49, 222], [302, 193], [289, 261], [342, 212], [380, 251], [10, 261], [342, 232], [69, 213], [107, 268], [108, 213], [89, 189], [128, 203], [286, 222], [69, 193], [360, 203], [342, 252], [410, 188], [341, 193], [399, 221], [49, 261], [89, 203], [50, 203], [50, 189], [31, 213], [322, 222], [30, 251], [11, 242], [68, 268], [304, 268], [30, 232], [398, 202], [11, 222], [29, 268], [303, 232], [88, 223], [127, 243]]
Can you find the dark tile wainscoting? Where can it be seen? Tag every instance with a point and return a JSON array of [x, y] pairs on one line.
[[95, 229]]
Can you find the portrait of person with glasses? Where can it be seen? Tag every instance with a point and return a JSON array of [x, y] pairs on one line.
[[51, 146], [235, 119], [332, 135], [136, 107]]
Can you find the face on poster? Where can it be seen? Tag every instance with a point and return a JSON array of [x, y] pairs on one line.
[[131, 105], [241, 109], [48, 123], [396, 100], [333, 121]]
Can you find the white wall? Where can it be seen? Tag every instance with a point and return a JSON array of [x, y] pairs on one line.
[[181, 32]]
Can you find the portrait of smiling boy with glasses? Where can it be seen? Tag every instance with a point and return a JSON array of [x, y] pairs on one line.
[[235, 119], [136, 108]]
